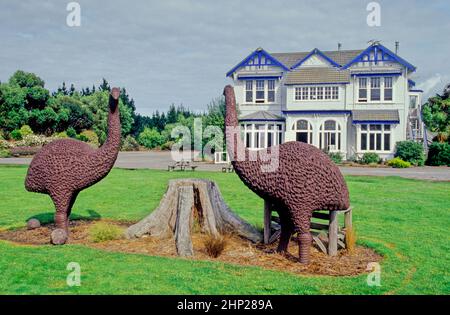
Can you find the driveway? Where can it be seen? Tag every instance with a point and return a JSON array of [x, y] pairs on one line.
[[160, 160]]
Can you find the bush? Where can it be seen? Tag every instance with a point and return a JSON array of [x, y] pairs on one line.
[[214, 246], [167, 145], [16, 134], [101, 232], [370, 158], [398, 163], [90, 137], [4, 153], [150, 138], [439, 154], [26, 130], [411, 152], [61, 135], [24, 151], [130, 144], [71, 132], [82, 138], [336, 157], [33, 141]]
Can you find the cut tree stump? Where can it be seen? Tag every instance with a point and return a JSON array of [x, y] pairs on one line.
[[187, 201]]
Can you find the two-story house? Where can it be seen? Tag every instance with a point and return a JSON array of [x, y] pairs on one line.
[[351, 101]]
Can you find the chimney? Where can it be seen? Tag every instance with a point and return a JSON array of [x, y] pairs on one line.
[[339, 46], [397, 44]]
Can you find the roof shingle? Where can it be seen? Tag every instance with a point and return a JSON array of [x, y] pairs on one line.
[[317, 75]]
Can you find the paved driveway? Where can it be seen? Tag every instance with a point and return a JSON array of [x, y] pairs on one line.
[[160, 160]]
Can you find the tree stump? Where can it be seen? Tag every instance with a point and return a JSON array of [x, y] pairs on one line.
[[187, 201]]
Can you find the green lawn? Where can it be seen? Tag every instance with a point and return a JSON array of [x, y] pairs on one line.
[[405, 220]]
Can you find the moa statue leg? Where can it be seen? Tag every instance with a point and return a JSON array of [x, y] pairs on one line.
[[302, 223], [286, 231], [62, 202]]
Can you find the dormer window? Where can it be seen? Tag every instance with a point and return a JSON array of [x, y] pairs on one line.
[[260, 91]]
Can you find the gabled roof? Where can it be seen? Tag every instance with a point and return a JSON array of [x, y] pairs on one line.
[[317, 75], [258, 53], [261, 115], [341, 57], [315, 51], [386, 55]]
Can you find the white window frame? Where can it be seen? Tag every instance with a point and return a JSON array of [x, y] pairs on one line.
[[262, 135], [383, 86], [317, 93], [308, 130], [367, 130], [326, 134], [249, 84], [271, 89], [259, 88]]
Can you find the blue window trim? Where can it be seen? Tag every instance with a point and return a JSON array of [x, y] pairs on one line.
[[411, 82], [267, 77], [316, 51], [417, 91], [324, 112], [387, 55], [259, 53], [379, 74], [375, 122], [324, 83]]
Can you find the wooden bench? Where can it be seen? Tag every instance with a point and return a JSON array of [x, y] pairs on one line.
[[227, 169], [335, 235], [182, 165]]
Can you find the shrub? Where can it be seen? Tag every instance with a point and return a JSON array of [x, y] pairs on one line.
[[61, 135], [370, 158], [4, 144], [101, 232], [150, 138], [91, 137], [439, 154], [336, 157], [398, 163], [26, 130], [71, 132], [16, 134], [411, 152], [4, 153], [167, 145], [214, 245], [34, 140], [130, 144], [82, 138]]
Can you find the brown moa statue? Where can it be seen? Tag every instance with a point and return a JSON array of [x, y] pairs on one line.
[[304, 181], [64, 167]]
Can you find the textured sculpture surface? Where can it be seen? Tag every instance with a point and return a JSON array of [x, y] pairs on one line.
[[304, 181], [64, 167]]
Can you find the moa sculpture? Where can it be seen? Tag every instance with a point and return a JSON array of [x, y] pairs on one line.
[[64, 167], [305, 180]]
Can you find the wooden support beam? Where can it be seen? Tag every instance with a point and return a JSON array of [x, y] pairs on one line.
[[320, 215], [267, 221], [348, 218], [333, 234]]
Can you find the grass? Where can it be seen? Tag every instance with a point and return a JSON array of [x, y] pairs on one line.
[[405, 220]]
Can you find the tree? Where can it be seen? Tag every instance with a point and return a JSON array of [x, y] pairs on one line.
[[150, 138], [26, 79], [12, 107], [436, 114]]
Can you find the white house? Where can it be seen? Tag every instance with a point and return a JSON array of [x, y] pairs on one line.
[[351, 101]]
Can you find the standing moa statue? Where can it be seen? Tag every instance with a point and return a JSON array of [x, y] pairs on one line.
[[64, 167], [305, 180]]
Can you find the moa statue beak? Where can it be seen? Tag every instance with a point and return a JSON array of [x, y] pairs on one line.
[[114, 99]]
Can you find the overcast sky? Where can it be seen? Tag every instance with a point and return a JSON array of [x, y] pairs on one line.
[[178, 51]]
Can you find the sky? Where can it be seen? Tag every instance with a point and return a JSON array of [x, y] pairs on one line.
[[178, 51]]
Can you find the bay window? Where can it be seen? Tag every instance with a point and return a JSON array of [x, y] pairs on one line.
[[375, 89], [303, 131], [260, 91], [375, 137], [262, 135]]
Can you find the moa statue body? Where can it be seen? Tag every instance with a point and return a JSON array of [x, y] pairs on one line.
[[304, 181], [64, 167]]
